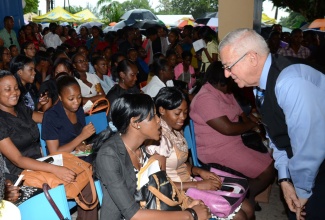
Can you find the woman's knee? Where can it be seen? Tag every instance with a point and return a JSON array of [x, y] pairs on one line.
[[248, 209]]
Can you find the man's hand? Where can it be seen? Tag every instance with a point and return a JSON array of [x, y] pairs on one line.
[[290, 196], [300, 214]]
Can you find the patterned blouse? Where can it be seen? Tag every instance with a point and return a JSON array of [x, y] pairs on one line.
[[174, 147]]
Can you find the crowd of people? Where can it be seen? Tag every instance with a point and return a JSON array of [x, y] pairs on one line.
[[153, 84]]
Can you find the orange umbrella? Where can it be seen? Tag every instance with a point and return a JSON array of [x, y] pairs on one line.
[[318, 23], [112, 24], [185, 21]]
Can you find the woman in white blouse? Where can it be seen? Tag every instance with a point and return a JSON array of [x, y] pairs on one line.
[[89, 83]]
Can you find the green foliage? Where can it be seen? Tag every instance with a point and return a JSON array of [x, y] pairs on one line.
[[310, 9], [110, 10], [31, 6], [73, 9], [134, 4], [193, 7], [294, 20]]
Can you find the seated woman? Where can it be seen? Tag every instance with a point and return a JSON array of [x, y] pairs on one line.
[[164, 74], [184, 71], [64, 127], [127, 74], [101, 68], [171, 106], [23, 69], [61, 65], [121, 157], [215, 113], [89, 84], [5, 58], [19, 136]]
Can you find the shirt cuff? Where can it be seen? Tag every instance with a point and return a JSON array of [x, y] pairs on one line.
[[283, 172]]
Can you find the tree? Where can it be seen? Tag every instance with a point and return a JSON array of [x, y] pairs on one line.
[[193, 7], [110, 10], [134, 4], [310, 9], [74, 9], [31, 6], [294, 20]]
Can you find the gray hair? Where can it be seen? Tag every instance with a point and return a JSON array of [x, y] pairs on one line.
[[243, 40]]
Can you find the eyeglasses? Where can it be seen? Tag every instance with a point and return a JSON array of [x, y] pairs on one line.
[[81, 61], [228, 68]]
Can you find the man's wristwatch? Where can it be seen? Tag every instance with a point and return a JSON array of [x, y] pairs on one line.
[[284, 180]]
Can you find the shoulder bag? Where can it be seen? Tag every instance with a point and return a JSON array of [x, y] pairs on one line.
[[225, 201], [160, 192], [73, 189]]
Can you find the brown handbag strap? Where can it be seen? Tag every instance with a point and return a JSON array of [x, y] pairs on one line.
[[46, 189], [95, 107], [85, 204]]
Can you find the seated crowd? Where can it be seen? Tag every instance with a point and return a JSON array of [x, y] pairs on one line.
[[153, 86]]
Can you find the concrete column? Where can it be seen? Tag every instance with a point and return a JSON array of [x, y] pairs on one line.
[[235, 14]]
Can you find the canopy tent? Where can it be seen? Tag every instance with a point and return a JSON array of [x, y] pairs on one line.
[[267, 20], [86, 16], [57, 14], [318, 23]]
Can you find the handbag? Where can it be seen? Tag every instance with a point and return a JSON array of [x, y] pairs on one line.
[[254, 141], [226, 200], [159, 192], [73, 189]]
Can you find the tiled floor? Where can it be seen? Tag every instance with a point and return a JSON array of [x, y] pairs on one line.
[[274, 210]]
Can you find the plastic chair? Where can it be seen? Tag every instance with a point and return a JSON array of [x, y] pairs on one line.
[[43, 143], [99, 192], [38, 207], [191, 142]]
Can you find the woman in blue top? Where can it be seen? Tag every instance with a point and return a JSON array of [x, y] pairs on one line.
[[64, 127]]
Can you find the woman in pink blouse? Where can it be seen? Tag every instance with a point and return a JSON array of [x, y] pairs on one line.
[[172, 108]]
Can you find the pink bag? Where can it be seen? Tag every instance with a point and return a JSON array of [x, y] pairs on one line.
[[225, 201]]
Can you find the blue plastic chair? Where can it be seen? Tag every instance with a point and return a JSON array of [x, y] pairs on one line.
[[99, 192], [38, 207], [43, 143], [191, 142]]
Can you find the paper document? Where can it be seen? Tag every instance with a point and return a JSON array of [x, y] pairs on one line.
[[58, 160], [199, 44], [87, 106], [143, 176]]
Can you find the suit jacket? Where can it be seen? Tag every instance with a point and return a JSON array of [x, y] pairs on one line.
[[118, 180]]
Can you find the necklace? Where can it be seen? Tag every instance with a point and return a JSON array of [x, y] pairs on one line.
[[140, 159]]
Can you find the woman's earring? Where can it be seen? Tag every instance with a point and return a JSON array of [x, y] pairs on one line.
[[138, 127]]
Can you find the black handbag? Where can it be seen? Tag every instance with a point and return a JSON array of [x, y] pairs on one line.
[[254, 141], [160, 192]]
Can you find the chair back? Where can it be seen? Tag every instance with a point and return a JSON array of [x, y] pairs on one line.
[[38, 207], [43, 143], [191, 142], [99, 192]]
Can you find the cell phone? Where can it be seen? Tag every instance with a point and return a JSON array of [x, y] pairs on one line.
[[49, 160], [227, 188]]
